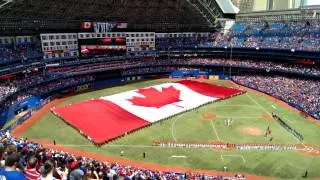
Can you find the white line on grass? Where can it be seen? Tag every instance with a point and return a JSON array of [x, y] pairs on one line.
[[173, 127], [237, 105], [222, 158], [273, 107], [286, 119], [263, 108], [234, 155], [237, 117], [213, 127], [215, 131], [174, 156]]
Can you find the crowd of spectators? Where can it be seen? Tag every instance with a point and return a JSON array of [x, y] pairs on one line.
[[303, 94], [22, 159], [20, 52], [163, 44], [265, 65], [11, 86], [50, 86], [297, 35], [28, 84], [109, 65], [6, 89], [312, 70], [147, 70]]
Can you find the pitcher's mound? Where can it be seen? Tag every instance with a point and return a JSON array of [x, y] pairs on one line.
[[252, 131], [208, 116]]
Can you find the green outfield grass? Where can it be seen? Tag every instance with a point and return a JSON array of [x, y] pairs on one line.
[[247, 111]]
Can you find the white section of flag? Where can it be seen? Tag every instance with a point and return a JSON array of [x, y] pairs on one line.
[[189, 100]]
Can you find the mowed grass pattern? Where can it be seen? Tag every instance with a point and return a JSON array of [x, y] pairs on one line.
[[247, 111]]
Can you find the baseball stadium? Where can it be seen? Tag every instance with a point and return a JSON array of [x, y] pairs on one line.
[[159, 89]]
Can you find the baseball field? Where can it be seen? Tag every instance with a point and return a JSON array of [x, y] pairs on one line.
[[251, 117]]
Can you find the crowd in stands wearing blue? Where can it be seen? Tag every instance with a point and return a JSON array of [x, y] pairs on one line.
[[297, 35], [303, 94]]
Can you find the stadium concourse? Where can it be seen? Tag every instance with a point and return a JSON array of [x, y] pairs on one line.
[[109, 117]]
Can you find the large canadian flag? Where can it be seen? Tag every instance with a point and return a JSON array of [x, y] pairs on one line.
[[159, 102], [112, 116]]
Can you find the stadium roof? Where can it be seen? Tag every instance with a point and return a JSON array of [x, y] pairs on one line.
[[156, 15], [228, 7]]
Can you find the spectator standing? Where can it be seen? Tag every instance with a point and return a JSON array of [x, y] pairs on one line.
[[10, 171], [48, 170], [31, 172], [76, 173]]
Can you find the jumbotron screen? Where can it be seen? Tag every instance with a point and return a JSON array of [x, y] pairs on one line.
[[102, 47]]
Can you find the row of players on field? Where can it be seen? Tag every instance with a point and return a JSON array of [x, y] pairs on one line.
[[266, 147], [274, 147]]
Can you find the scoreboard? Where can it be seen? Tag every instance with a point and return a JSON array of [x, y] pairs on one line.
[[102, 47], [102, 44]]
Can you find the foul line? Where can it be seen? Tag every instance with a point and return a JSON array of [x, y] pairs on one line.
[[239, 117], [215, 131], [286, 119], [239, 105], [265, 110], [173, 127], [221, 158]]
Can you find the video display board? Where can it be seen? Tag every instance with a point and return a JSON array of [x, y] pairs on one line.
[[102, 47]]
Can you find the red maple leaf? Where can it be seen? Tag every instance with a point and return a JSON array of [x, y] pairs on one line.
[[155, 98]]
